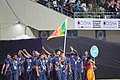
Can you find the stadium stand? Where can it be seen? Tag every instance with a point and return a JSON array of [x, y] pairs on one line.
[[85, 8]]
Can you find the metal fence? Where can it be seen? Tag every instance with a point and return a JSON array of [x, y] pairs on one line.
[[67, 12], [97, 15]]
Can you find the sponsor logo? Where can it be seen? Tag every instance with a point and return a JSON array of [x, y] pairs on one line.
[[96, 24], [109, 24], [84, 24], [118, 24]]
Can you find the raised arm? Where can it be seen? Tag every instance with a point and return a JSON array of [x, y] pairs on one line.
[[46, 50], [27, 52], [73, 49]]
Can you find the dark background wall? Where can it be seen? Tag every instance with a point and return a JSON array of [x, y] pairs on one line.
[[107, 62], [13, 46]]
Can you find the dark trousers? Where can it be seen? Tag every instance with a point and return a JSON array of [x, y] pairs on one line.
[[15, 75], [2, 77], [79, 75], [21, 77], [34, 75], [84, 74], [9, 75], [74, 74]]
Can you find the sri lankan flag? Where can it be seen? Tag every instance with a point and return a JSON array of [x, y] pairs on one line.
[[60, 31]]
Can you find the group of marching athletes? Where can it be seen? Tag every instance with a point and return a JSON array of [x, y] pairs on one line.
[[49, 66]]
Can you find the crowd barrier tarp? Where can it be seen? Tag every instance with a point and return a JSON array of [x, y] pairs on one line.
[[13, 46], [108, 60]]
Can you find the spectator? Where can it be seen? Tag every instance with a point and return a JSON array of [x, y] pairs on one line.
[[117, 3], [102, 7], [98, 4], [116, 10], [106, 6], [84, 7], [71, 1], [78, 2], [68, 7], [90, 5], [61, 2], [79, 9]]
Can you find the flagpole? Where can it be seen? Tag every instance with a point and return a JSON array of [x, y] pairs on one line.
[[65, 38]]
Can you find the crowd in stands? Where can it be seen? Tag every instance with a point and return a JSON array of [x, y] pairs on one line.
[[72, 6]]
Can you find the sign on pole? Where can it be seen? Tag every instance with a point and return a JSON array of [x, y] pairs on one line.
[[94, 51]]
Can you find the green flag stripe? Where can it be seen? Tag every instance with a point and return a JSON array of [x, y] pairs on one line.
[[63, 28]]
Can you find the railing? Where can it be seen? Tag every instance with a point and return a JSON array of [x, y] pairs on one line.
[[58, 8], [96, 14], [67, 12]]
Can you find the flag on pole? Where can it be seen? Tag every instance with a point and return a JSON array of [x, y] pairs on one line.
[[60, 31]]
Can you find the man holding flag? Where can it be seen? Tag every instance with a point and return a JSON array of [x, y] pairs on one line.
[[60, 31]]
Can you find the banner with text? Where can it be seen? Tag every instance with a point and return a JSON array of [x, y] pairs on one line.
[[97, 24]]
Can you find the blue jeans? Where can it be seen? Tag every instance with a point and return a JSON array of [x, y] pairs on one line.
[[69, 75], [33, 77], [42, 76], [9, 75], [58, 72], [85, 74], [74, 74], [64, 75], [15, 75], [79, 75], [29, 74]]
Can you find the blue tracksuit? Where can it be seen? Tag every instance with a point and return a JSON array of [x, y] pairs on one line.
[[33, 63], [9, 75], [63, 67], [15, 67], [57, 70], [73, 62], [21, 58], [69, 74], [49, 61], [84, 58], [29, 69], [79, 69], [42, 66]]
